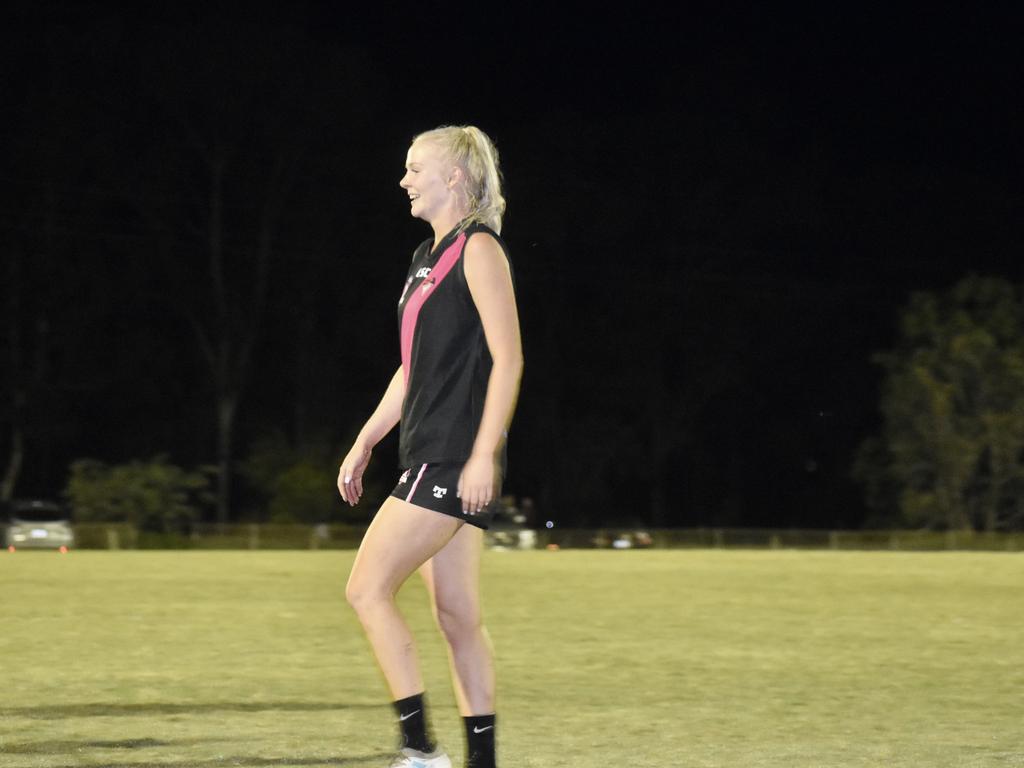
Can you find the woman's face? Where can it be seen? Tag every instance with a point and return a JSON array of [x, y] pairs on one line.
[[427, 180]]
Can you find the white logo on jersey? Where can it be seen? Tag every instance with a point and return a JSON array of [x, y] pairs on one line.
[[427, 285], [423, 272], [405, 476], [439, 492], [405, 290]]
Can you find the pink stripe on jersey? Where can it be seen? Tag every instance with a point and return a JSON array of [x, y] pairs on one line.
[[416, 299], [418, 478]]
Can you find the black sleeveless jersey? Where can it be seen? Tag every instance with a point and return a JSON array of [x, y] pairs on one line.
[[445, 358]]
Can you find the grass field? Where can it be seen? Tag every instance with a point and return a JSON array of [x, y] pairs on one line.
[[656, 658]]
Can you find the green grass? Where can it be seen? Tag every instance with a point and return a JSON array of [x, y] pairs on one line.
[[658, 658]]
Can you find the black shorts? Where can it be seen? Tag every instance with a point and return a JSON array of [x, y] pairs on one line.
[[436, 486]]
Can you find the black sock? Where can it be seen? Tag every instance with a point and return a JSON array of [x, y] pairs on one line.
[[479, 741], [412, 720]]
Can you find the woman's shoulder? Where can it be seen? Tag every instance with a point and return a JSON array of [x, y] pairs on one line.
[[480, 236], [485, 253]]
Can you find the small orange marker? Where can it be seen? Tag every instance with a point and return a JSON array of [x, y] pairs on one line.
[[63, 550]]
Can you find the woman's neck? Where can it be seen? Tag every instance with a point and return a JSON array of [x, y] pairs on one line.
[[445, 223]]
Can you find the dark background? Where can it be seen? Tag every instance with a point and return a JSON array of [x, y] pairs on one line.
[[714, 217]]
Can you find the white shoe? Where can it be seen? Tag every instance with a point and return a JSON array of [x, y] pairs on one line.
[[412, 758]]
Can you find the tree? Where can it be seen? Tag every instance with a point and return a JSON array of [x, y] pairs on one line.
[[45, 199], [951, 452], [241, 127]]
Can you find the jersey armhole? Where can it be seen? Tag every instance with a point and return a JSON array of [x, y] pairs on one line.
[[462, 259]]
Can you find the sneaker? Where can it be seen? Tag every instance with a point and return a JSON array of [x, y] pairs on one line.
[[412, 758]]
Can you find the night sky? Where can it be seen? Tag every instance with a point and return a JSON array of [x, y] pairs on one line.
[[714, 218]]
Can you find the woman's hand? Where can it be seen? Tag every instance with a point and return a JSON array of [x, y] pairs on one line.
[[477, 483], [350, 476]]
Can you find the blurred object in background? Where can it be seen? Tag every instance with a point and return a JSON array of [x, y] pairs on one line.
[[509, 528], [632, 540], [37, 524]]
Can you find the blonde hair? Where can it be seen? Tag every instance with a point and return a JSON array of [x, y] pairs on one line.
[[473, 151]]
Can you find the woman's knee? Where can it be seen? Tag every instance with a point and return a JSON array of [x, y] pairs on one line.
[[457, 620], [363, 594]]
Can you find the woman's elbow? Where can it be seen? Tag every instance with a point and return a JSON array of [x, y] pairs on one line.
[[512, 363]]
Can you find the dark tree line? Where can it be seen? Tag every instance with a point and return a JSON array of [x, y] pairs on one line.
[[203, 236]]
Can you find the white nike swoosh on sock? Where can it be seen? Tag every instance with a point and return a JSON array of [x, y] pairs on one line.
[[403, 718], [481, 730]]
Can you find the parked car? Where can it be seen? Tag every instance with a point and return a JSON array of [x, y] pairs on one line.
[[38, 524]]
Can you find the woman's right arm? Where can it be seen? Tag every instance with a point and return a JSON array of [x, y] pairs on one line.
[[383, 420]]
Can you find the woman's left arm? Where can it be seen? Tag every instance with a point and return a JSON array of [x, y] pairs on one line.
[[490, 283]]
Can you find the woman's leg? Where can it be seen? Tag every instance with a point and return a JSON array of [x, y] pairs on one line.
[[452, 577], [400, 539]]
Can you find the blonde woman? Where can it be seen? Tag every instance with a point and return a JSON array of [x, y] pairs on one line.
[[454, 395]]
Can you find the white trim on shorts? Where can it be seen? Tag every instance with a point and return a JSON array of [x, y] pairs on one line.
[[417, 482]]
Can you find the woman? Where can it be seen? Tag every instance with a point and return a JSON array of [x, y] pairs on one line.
[[454, 394]]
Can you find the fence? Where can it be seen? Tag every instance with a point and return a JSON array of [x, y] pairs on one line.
[[756, 538], [269, 536], [243, 536]]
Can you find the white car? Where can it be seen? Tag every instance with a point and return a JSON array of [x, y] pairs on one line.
[[38, 525]]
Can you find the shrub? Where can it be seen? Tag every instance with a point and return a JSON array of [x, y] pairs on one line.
[[152, 496], [298, 483]]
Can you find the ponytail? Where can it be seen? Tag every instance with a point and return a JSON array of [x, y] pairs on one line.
[[473, 151]]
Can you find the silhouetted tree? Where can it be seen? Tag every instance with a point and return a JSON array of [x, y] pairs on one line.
[[15, 384], [952, 446], [45, 201], [241, 112]]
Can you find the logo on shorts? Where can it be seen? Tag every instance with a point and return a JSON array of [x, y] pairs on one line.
[[404, 477], [439, 492]]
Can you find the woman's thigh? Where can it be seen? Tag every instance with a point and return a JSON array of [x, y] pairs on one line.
[[401, 537], [452, 575]]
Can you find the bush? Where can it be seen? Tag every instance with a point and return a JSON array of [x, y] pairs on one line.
[[153, 496], [303, 493], [299, 484]]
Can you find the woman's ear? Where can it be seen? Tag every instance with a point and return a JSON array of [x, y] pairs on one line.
[[455, 176]]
